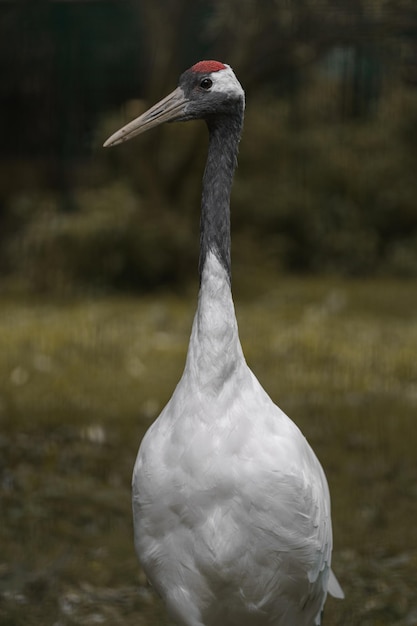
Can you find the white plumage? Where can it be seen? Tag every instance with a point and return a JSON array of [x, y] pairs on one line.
[[231, 506]]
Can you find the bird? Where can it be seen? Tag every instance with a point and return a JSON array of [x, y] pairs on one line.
[[231, 507]]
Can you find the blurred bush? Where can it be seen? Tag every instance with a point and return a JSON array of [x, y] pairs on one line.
[[326, 177], [331, 195], [316, 195], [108, 241]]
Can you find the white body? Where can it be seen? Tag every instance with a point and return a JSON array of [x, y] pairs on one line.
[[231, 506]]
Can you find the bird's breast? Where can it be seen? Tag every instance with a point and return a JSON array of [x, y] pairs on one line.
[[226, 461], [228, 495]]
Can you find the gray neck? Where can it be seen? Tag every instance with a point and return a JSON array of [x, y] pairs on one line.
[[224, 136]]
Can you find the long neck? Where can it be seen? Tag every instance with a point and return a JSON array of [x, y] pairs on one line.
[[224, 135], [214, 352]]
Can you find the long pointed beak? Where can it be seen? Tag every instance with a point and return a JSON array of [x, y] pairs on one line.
[[169, 109]]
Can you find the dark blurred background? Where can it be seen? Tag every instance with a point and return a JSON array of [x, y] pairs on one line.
[[328, 161]]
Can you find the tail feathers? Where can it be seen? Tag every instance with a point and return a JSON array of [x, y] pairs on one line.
[[334, 588]]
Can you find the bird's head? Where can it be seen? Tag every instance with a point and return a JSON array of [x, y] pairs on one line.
[[207, 90]]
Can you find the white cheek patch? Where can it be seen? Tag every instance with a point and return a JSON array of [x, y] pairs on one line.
[[225, 81]]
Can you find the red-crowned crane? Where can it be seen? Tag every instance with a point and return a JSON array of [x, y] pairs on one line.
[[231, 506]]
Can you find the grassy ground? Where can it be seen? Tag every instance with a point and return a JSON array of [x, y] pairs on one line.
[[82, 380]]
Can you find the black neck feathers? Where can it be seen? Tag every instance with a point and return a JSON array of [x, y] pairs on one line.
[[224, 136]]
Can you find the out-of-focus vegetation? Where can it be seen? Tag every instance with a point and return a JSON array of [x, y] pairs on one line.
[[330, 197], [82, 380], [326, 181]]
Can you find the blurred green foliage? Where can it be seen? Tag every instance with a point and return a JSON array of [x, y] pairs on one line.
[[317, 196], [331, 196], [326, 180], [108, 241]]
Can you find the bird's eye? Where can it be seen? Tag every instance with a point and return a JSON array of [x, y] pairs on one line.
[[206, 83]]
